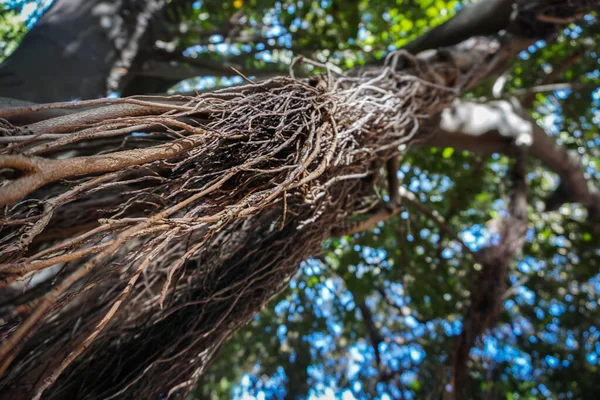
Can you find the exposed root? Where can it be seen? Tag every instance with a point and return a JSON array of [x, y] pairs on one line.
[[197, 219]]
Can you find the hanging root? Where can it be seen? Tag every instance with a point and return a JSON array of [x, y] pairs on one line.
[[138, 243]]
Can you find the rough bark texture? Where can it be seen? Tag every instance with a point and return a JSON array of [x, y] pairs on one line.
[[162, 260], [77, 50], [218, 224]]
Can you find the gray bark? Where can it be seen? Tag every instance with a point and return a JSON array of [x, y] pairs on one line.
[[77, 50], [497, 127]]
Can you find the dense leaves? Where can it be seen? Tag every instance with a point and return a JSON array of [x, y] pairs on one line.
[[414, 278]]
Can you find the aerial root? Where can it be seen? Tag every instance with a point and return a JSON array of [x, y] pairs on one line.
[[195, 220]]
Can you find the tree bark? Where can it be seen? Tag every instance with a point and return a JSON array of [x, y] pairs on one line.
[[495, 127], [247, 225], [77, 50]]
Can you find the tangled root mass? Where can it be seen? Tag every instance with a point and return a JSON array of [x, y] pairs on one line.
[[137, 237]]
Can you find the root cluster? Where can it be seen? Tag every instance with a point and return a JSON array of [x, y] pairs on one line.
[[136, 237]]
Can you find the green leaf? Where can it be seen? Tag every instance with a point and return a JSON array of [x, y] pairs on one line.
[[447, 153], [415, 385]]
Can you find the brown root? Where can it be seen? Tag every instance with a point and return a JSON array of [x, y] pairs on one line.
[[188, 226]]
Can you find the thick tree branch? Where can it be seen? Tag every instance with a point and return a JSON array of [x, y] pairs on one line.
[[487, 128], [488, 283], [74, 48], [232, 196], [483, 18]]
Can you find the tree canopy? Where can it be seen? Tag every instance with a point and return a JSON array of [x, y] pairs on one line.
[[380, 313]]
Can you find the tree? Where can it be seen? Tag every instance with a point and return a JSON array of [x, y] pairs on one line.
[[162, 225]]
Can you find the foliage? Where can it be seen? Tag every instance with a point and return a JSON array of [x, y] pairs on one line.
[[262, 37], [313, 340], [12, 30], [16, 17]]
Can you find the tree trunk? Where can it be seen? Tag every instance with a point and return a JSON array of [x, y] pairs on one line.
[[178, 221], [77, 50]]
